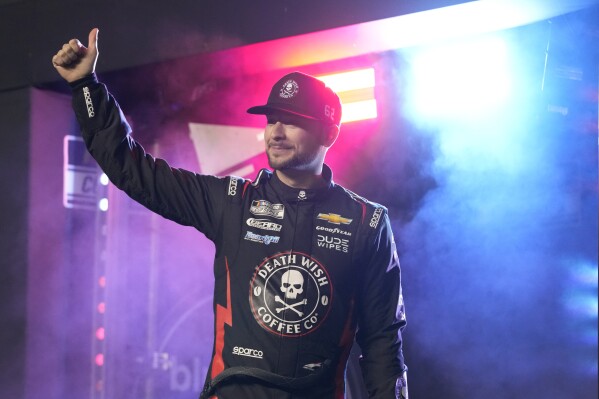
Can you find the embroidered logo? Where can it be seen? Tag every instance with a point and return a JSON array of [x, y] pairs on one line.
[[289, 89], [290, 294], [265, 208], [335, 243], [266, 240], [233, 186], [333, 218], [88, 102], [249, 352], [376, 217], [263, 224], [334, 230]]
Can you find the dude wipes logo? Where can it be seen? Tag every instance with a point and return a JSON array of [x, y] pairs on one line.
[[290, 294], [334, 243]]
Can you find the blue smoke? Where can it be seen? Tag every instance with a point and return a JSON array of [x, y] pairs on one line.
[[493, 308]]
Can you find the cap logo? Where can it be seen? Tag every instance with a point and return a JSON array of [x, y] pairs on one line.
[[289, 89]]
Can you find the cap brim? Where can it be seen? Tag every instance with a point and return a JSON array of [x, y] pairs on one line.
[[269, 109]]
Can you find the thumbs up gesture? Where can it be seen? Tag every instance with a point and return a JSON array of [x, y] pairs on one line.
[[75, 61]]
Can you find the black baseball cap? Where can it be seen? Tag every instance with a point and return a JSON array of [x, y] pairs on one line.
[[301, 94]]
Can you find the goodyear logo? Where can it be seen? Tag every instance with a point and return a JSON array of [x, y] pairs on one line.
[[334, 218]]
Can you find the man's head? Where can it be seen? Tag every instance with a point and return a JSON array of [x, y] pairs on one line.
[[303, 118]]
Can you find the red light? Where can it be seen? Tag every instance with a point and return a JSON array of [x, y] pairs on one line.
[[100, 359], [102, 281], [100, 333], [101, 307]]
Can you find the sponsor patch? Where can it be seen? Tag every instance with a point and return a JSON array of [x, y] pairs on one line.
[[233, 186], [249, 352], [265, 208], [376, 217], [333, 218], [334, 230], [289, 89], [290, 294], [335, 243], [265, 239], [263, 224], [88, 102]]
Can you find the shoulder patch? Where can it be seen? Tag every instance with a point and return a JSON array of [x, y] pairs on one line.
[[376, 217], [234, 182]]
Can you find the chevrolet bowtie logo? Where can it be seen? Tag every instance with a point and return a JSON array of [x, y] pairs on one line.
[[333, 218]]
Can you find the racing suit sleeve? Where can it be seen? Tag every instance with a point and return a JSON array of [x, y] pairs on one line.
[[187, 198], [381, 318]]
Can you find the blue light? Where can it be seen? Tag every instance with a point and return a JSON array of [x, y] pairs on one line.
[[460, 80], [585, 274], [582, 304]]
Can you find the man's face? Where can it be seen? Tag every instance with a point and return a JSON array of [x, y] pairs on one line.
[[293, 142]]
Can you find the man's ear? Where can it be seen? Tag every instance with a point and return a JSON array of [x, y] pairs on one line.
[[330, 134]]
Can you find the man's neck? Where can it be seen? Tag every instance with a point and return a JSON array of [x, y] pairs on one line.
[[301, 179]]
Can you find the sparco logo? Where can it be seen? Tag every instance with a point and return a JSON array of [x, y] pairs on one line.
[[263, 224], [88, 102], [241, 351], [232, 186], [376, 217], [335, 230], [290, 294], [265, 208]]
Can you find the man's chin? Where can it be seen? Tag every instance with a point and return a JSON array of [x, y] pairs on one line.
[[280, 164]]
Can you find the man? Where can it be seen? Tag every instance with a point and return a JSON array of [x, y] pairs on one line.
[[302, 265]]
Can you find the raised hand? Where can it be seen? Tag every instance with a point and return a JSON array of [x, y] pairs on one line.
[[75, 61]]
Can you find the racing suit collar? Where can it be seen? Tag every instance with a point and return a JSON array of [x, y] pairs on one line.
[[303, 194]]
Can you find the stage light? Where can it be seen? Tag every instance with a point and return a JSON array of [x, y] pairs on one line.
[[99, 359], [581, 297], [103, 204], [102, 281], [359, 111], [356, 91], [104, 179], [100, 333], [101, 307], [350, 80], [459, 81]]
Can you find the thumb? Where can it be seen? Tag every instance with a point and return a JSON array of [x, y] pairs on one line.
[[92, 40]]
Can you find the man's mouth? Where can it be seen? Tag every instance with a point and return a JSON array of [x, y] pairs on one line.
[[279, 147]]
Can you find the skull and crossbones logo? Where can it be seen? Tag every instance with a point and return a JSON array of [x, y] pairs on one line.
[[289, 89], [292, 284], [290, 294]]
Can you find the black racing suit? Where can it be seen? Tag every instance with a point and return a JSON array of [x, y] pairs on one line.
[[298, 273]]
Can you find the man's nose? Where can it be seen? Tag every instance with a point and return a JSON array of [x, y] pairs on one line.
[[277, 130]]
